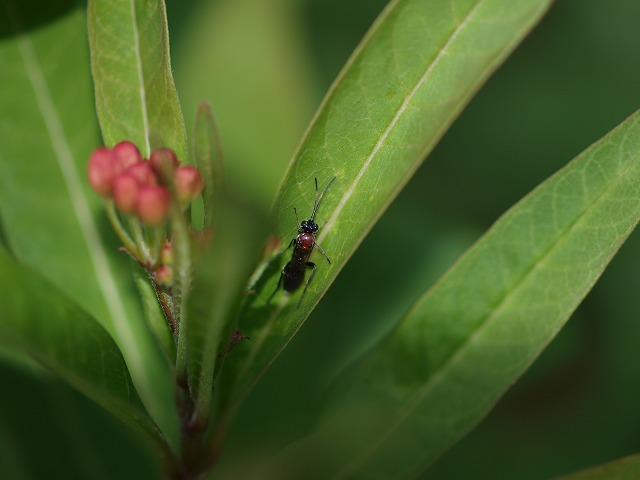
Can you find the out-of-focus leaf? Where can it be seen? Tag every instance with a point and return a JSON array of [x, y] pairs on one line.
[[50, 430], [474, 333], [135, 94], [412, 74], [627, 468], [50, 217], [14, 465], [222, 270], [37, 318]]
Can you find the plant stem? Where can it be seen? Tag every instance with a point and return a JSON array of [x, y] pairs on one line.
[[127, 241]]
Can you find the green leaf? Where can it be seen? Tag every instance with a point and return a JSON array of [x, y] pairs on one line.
[[222, 271], [406, 82], [207, 152], [466, 341], [627, 468], [37, 318], [155, 318], [50, 217], [135, 93]]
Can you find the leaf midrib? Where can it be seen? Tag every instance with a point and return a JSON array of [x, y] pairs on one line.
[[140, 71]]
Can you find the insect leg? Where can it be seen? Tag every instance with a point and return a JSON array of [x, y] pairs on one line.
[[282, 274], [292, 242], [309, 265], [322, 252]]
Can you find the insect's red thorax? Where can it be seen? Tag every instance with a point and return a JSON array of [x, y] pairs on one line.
[[306, 240]]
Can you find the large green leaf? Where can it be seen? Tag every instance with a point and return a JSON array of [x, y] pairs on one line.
[[50, 217], [38, 318], [135, 94], [474, 333], [407, 81]]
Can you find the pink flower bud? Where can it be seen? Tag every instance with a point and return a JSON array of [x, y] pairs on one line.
[[164, 163], [164, 276], [126, 154], [152, 204], [100, 170], [125, 192], [166, 254], [188, 184], [143, 173]]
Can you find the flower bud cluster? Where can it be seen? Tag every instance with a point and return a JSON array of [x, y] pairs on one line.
[[143, 188], [145, 193], [146, 201]]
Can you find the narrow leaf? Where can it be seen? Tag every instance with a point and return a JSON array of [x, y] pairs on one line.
[[477, 330], [222, 271], [406, 82], [37, 318], [207, 151], [155, 318], [51, 220], [135, 93]]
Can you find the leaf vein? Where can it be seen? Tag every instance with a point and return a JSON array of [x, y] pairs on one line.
[[142, 88]]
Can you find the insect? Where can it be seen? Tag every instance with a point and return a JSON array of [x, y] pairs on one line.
[[293, 272]]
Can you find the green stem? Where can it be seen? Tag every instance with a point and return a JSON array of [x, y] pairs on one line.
[[124, 237], [181, 242], [157, 244], [139, 237]]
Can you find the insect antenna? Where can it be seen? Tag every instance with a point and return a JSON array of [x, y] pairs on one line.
[[319, 199]]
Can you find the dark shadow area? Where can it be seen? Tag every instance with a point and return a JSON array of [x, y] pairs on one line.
[[18, 16]]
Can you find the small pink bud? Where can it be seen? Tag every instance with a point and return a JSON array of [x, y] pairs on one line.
[[188, 184], [164, 163], [166, 254], [125, 192], [143, 173], [164, 276], [100, 170], [152, 204], [126, 154]]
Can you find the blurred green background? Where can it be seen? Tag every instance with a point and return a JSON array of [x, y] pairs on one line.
[[264, 65]]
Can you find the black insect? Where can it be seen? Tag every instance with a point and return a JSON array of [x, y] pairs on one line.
[[293, 272]]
